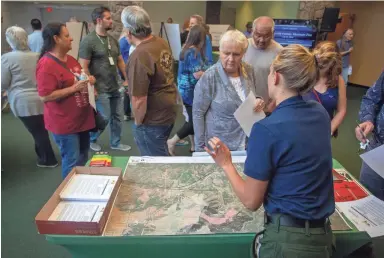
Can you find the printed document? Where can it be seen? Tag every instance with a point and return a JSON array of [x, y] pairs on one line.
[[89, 188], [374, 159], [78, 211], [91, 95], [367, 214], [246, 116]]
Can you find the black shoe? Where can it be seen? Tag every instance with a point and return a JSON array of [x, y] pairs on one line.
[[47, 166]]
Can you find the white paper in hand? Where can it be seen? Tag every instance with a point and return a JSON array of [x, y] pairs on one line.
[[91, 95], [374, 159], [246, 116]]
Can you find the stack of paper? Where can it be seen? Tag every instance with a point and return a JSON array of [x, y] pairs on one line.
[[78, 211], [84, 198], [367, 214], [89, 188]]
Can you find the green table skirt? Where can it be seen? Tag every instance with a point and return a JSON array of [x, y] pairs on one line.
[[189, 246]]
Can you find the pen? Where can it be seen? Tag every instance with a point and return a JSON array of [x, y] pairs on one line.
[[361, 131]]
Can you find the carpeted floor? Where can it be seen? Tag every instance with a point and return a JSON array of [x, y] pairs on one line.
[[25, 188]]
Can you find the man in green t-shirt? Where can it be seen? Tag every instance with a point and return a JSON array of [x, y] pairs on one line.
[[100, 56]]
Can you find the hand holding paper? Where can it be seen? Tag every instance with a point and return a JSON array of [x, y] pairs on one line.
[[259, 106], [245, 114]]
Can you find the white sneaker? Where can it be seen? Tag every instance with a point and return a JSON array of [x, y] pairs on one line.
[[122, 147], [95, 147]]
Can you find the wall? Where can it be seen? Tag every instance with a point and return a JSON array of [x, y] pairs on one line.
[[179, 11], [367, 57], [63, 15], [20, 14], [248, 11], [23, 12]]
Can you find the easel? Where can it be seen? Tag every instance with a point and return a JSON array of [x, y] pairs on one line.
[[164, 30]]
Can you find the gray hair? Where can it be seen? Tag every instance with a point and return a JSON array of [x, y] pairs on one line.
[[136, 20], [264, 21], [17, 38], [234, 36]]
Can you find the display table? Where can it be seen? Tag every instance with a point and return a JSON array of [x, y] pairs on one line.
[[208, 245]]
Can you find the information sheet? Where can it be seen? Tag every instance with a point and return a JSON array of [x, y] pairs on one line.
[[89, 188], [78, 211]]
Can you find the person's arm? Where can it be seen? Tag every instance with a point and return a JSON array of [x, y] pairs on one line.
[[192, 64], [85, 65], [139, 73], [63, 93], [85, 55], [346, 52], [202, 100], [198, 74], [338, 43], [6, 76], [208, 50], [369, 106], [139, 108], [250, 191], [341, 106], [47, 86], [121, 66]]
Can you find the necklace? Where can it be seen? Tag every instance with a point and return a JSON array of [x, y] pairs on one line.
[[102, 42]]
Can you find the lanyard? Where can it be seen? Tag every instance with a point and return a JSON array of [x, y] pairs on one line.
[[109, 44], [317, 96]]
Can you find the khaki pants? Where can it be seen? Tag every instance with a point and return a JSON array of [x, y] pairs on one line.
[[289, 242]]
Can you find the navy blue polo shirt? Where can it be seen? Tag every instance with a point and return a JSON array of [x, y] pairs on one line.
[[292, 150]]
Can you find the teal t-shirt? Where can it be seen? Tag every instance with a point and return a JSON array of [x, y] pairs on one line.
[[95, 48]]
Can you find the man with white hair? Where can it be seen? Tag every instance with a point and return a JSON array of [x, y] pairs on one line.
[[262, 50], [151, 84]]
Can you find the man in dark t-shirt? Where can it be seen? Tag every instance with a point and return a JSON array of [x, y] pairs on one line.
[[100, 56], [151, 84]]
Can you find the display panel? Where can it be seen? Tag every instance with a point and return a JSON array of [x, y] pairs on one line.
[[295, 31]]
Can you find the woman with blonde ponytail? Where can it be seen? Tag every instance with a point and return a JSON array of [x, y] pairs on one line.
[[330, 89], [289, 163]]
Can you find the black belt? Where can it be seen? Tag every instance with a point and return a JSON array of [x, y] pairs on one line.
[[289, 221]]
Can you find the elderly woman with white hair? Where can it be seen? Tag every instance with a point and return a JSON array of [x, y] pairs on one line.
[[220, 91], [19, 80]]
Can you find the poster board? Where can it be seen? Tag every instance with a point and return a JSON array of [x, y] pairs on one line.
[[77, 32], [173, 33], [217, 30]]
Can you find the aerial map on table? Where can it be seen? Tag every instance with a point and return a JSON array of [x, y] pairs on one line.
[[177, 196]]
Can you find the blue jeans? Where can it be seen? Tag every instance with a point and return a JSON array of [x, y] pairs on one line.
[[344, 74], [73, 149], [372, 181], [152, 139], [110, 106]]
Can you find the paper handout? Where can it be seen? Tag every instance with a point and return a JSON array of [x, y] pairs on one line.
[[78, 211], [91, 95], [367, 214], [89, 188], [375, 159], [246, 116]]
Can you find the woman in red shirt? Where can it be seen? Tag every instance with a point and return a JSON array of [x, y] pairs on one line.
[[67, 112]]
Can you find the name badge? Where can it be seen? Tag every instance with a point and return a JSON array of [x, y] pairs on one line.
[[111, 62]]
